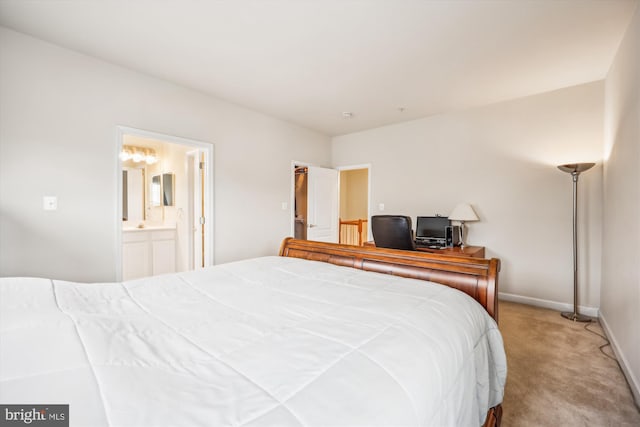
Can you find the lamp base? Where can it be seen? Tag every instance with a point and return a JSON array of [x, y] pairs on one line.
[[575, 316]]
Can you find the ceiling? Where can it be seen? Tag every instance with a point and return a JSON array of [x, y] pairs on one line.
[[308, 61]]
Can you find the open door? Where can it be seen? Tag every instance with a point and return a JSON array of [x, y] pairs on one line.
[[196, 170], [322, 204]]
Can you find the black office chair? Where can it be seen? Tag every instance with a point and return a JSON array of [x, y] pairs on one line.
[[393, 232]]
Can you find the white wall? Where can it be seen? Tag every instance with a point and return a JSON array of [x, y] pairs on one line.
[[620, 294], [58, 116], [502, 159]]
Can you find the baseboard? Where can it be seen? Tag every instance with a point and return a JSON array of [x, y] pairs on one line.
[[553, 305], [634, 384]]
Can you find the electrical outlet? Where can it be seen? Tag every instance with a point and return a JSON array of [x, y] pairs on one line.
[[381, 207]]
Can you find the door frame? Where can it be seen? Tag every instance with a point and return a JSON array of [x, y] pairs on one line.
[[208, 150]]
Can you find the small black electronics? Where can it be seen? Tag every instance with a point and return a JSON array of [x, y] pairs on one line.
[[453, 236], [431, 230]]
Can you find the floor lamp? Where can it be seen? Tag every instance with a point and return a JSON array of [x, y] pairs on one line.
[[575, 169]]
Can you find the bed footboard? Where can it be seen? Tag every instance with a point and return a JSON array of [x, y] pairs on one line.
[[494, 417], [476, 277]]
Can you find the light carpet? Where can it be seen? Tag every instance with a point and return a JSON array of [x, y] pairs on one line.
[[557, 374]]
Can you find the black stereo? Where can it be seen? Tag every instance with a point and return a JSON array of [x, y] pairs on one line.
[[453, 236]]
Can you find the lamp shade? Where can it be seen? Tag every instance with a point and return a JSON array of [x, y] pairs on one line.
[[463, 212], [576, 167]]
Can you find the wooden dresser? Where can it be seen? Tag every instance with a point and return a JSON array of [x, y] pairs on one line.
[[467, 251]]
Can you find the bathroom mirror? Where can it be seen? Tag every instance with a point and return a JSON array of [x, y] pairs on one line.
[[133, 194], [162, 190], [168, 189]]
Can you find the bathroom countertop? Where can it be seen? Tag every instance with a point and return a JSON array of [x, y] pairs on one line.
[[148, 227]]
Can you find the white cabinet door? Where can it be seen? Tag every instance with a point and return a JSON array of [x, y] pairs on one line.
[[135, 260], [148, 253], [164, 256], [322, 204]]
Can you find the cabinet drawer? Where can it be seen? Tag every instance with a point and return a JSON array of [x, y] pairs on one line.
[[163, 235], [134, 236]]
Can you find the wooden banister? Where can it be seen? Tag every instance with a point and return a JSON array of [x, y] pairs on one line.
[[346, 237]]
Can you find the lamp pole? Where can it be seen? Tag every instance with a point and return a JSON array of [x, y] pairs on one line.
[[575, 169]]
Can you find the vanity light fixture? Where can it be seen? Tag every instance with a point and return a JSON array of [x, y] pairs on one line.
[[150, 159], [137, 157], [138, 154]]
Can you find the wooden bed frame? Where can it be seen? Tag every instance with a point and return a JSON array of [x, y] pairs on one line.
[[474, 276]]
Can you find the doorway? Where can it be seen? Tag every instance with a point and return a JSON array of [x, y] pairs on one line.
[[314, 207], [300, 185], [330, 205], [165, 204], [354, 204]]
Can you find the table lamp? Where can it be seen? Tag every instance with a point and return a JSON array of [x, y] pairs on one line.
[[463, 213]]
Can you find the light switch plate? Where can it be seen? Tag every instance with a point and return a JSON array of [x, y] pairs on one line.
[[50, 203], [381, 207]]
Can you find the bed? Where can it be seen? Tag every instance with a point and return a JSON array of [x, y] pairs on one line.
[[323, 334]]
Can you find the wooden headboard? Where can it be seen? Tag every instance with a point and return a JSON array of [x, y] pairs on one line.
[[474, 276]]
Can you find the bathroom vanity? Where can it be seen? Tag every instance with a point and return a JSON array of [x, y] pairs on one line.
[[148, 251]]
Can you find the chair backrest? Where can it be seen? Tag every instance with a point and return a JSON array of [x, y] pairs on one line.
[[393, 232]]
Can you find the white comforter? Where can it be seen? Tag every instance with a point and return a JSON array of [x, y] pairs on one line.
[[269, 341]]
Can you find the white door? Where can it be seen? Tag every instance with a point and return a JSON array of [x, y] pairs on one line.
[[322, 205], [195, 166]]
